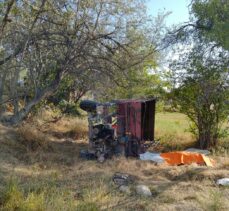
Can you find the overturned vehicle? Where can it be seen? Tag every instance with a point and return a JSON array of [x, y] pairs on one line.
[[123, 127]]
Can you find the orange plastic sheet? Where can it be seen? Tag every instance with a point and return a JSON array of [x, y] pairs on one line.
[[178, 158]]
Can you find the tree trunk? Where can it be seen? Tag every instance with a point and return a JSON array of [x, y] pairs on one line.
[[207, 138], [43, 94], [2, 85]]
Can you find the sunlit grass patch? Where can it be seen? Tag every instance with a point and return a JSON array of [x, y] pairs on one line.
[[16, 196], [172, 131]]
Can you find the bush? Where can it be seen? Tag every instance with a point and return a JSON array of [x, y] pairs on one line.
[[68, 108]]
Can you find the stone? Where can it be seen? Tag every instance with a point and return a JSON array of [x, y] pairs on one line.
[[143, 190], [125, 189]]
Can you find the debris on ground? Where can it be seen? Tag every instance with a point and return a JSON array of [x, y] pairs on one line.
[[223, 182], [122, 179], [200, 151], [178, 158], [155, 157], [143, 190], [115, 129], [85, 154]]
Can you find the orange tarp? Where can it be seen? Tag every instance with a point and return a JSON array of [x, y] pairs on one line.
[[178, 158]]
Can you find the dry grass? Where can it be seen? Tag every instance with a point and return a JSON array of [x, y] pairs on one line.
[[74, 128], [51, 176], [31, 137]]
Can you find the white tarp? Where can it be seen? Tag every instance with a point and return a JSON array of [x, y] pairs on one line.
[[152, 156], [200, 151], [223, 181]]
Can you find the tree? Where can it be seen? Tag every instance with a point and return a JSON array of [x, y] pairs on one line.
[[50, 40], [202, 92], [200, 74], [208, 20], [211, 19], [140, 82]]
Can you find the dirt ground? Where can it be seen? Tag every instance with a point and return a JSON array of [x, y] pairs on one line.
[[44, 158]]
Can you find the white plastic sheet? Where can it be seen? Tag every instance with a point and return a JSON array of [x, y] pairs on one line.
[[152, 156], [200, 151], [223, 181]]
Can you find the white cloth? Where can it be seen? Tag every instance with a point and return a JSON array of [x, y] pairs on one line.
[[152, 156], [223, 181], [200, 151]]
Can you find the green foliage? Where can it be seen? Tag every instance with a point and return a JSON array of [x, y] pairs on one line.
[[200, 74], [142, 82], [68, 108], [139, 84], [212, 19], [203, 93], [66, 47], [69, 93]]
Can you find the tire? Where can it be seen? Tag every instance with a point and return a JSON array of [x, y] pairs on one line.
[[88, 105]]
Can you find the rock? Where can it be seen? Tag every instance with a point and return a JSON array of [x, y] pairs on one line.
[[125, 189], [143, 190]]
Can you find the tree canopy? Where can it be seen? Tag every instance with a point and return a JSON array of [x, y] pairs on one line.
[[208, 20], [43, 42], [200, 73], [212, 19], [202, 93]]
